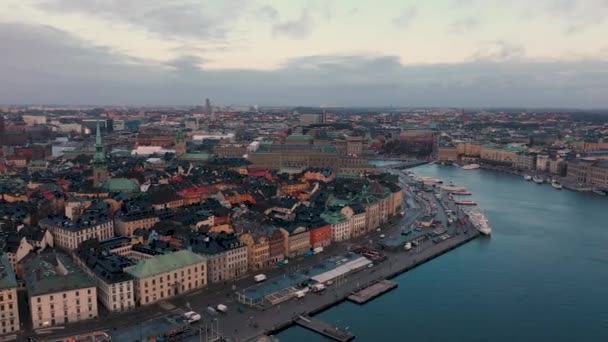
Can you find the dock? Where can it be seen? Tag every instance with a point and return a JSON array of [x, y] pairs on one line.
[[324, 329], [372, 291]]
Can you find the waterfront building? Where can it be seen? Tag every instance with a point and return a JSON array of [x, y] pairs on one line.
[[503, 155], [164, 276], [58, 291], [321, 236], [524, 161], [258, 250], [9, 306], [589, 171], [469, 150], [341, 228], [447, 154], [227, 257], [297, 241]]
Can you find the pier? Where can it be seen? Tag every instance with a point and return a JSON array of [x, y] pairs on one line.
[[324, 329], [372, 291]]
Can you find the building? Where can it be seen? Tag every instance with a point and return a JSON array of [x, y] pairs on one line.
[[258, 250], [115, 288], [503, 155], [447, 154], [589, 172], [164, 276], [180, 143], [127, 222], [227, 257], [100, 169], [312, 119], [275, 157], [470, 150], [297, 241], [524, 161], [321, 236], [9, 307], [69, 234], [58, 292]]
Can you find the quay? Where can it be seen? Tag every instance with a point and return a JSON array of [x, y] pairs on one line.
[[372, 291], [324, 329]]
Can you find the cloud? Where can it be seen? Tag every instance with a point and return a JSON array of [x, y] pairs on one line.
[[302, 26], [498, 51], [173, 19], [405, 18], [464, 25], [43, 65], [267, 13], [578, 16]]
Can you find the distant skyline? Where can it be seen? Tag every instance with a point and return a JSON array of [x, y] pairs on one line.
[[457, 53]]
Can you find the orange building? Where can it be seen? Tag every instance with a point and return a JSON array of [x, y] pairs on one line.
[[321, 236]]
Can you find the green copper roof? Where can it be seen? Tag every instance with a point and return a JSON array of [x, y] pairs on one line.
[[195, 156], [119, 185], [165, 263], [333, 217], [299, 137]]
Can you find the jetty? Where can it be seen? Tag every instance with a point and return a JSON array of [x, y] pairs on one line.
[[325, 329], [372, 291]]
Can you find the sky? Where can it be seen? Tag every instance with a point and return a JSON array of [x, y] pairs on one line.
[[460, 53]]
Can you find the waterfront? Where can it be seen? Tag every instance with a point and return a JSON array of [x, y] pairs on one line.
[[542, 275]]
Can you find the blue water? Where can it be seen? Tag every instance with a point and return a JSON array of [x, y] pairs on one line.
[[542, 276]]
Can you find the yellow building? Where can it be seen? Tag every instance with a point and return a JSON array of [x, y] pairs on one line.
[[258, 250]]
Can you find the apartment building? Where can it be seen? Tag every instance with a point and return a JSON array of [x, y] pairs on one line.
[[58, 291], [227, 257], [115, 288], [127, 223], [69, 234], [164, 276], [589, 171], [258, 250], [9, 307]]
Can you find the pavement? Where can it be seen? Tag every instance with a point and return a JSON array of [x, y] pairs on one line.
[[243, 323]]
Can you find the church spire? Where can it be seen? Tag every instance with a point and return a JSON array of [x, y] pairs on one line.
[[100, 157]]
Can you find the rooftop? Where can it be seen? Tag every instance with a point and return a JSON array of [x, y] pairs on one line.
[[164, 263], [7, 275], [53, 272]]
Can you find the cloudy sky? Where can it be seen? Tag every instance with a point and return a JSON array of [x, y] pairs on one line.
[[305, 52]]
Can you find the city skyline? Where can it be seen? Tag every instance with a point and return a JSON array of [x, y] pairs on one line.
[[444, 53]]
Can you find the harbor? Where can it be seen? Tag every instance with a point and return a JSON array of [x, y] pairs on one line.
[[324, 329]]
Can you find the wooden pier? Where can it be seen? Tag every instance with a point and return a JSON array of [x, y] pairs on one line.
[[324, 329], [372, 291]]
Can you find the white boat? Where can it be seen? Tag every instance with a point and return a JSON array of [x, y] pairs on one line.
[[528, 177], [538, 179], [556, 184], [600, 192], [480, 222], [471, 167]]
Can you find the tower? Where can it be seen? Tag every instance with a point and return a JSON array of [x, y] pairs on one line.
[[100, 168], [180, 143], [209, 110]]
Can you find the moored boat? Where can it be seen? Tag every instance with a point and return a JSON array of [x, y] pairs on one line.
[[600, 192], [471, 167], [538, 179], [465, 202], [528, 177], [556, 184], [480, 222]]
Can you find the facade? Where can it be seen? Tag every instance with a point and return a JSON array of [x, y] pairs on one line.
[[126, 224], [58, 292], [297, 242], [9, 307], [470, 150], [500, 154], [115, 288], [258, 250], [524, 161], [227, 257], [294, 156], [447, 154], [164, 276], [68, 234], [589, 172], [276, 246], [321, 236]]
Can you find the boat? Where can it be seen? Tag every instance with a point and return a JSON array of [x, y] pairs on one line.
[[600, 192], [471, 167], [538, 179], [556, 184], [528, 177], [465, 202], [461, 193], [480, 222]]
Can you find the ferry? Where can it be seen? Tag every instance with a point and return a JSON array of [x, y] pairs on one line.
[[538, 179], [528, 177], [471, 167], [466, 202], [556, 184], [479, 221]]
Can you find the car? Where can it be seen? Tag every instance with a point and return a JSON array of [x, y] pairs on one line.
[[382, 236], [378, 229]]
